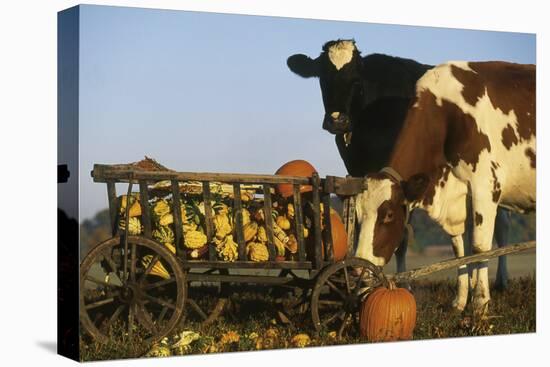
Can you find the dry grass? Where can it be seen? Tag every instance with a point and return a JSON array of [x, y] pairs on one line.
[[250, 323]]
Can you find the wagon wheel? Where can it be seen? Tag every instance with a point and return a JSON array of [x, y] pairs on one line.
[[143, 297], [339, 291], [206, 312]]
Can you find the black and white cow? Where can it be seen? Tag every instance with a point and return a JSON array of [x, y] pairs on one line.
[[475, 122], [365, 101]]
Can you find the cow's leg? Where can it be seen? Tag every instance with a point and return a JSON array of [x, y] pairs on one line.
[[484, 212], [501, 235], [462, 280]]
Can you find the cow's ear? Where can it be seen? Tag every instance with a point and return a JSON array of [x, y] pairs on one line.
[[303, 65], [415, 187]]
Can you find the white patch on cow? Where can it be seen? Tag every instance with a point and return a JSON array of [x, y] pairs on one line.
[[335, 115], [378, 191], [341, 53]]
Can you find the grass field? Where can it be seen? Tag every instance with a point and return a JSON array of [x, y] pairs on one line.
[[250, 321]]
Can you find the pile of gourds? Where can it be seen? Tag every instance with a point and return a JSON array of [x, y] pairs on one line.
[[224, 229]]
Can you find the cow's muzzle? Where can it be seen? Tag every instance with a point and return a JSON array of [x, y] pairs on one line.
[[337, 123]]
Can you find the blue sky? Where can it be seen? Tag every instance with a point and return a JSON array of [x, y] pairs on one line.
[[211, 92]]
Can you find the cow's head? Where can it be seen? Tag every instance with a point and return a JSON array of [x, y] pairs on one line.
[[382, 212], [339, 69]]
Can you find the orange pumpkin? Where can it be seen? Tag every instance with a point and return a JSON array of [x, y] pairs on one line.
[[294, 168], [339, 238], [388, 314]]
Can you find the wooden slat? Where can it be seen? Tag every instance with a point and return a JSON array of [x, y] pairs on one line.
[[350, 225], [327, 232], [343, 186], [219, 264], [102, 173], [238, 217], [453, 263], [316, 201], [252, 279], [209, 220], [299, 222], [145, 210], [178, 223], [113, 206], [269, 223]]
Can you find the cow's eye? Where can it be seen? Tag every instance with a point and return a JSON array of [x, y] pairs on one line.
[[388, 217]]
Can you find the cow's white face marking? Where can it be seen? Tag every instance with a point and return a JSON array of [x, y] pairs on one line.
[[368, 202], [335, 115], [341, 53]]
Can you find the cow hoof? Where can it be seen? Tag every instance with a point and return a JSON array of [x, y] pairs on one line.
[[481, 309], [459, 305]]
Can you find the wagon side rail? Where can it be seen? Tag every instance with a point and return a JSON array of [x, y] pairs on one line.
[[453, 263], [112, 174]]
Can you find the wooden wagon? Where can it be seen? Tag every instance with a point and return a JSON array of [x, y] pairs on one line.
[[117, 288]]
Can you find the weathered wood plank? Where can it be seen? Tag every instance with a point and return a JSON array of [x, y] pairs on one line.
[[178, 222], [304, 265], [453, 263], [316, 201], [343, 186], [327, 231], [350, 225], [299, 222], [269, 223], [102, 173], [145, 210], [209, 220], [113, 206], [238, 217], [252, 279]]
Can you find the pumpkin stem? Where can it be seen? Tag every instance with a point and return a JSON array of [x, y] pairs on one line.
[[388, 283]]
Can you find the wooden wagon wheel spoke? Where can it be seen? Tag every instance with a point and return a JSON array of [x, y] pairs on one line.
[[344, 323], [160, 301], [333, 317], [162, 314], [197, 309], [357, 286], [101, 282], [330, 302], [158, 284], [346, 276], [103, 302], [133, 263], [131, 322], [145, 319], [335, 288], [114, 316]]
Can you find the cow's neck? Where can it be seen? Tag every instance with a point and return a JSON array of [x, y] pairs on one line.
[[419, 147]]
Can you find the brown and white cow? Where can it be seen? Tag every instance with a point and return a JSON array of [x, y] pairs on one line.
[[478, 119]]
